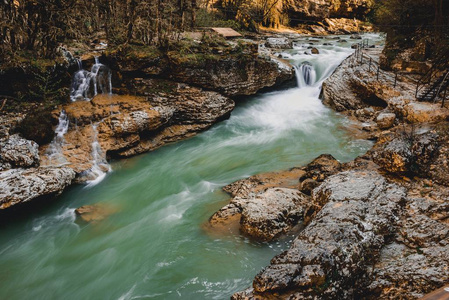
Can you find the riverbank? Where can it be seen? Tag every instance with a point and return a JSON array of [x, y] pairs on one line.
[[375, 227], [194, 95]]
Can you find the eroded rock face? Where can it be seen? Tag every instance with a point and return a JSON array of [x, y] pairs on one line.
[[23, 185], [130, 125], [232, 77], [17, 152], [416, 262], [410, 152], [266, 215], [333, 252]]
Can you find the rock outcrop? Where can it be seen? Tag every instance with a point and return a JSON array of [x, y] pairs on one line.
[[266, 215], [23, 185], [16, 152], [231, 70], [360, 209], [129, 125]]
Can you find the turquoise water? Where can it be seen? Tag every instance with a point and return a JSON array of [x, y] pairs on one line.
[[155, 246]]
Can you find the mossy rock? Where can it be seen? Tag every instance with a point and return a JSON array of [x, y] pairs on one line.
[[37, 127]]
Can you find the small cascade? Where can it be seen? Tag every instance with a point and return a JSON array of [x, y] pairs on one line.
[[88, 84], [100, 165], [54, 150], [80, 64], [305, 75]]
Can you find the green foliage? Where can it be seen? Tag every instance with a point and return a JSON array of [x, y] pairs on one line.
[[46, 86], [403, 17], [214, 18]]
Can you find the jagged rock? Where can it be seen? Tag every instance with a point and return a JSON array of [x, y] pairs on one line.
[[408, 152], [407, 273], [321, 167], [417, 262], [334, 251], [308, 185], [130, 125], [395, 156], [232, 77], [18, 152], [315, 51], [385, 120], [266, 215], [279, 43], [23, 185]]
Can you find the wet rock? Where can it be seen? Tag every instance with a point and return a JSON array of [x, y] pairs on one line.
[[356, 37], [405, 152], [260, 182], [405, 273], [130, 125], [321, 167], [315, 51], [385, 120], [308, 185], [266, 215], [279, 43], [334, 251], [421, 231], [95, 213], [23, 185], [17, 152], [395, 156]]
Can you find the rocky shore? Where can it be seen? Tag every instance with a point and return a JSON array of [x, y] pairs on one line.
[[373, 228]]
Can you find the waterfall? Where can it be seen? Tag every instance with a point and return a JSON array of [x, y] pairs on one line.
[[88, 84], [54, 150], [100, 166], [305, 75]]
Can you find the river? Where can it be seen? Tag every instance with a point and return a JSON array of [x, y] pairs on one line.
[[154, 246]]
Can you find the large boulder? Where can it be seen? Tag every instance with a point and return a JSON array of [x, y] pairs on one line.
[[385, 120], [336, 249], [23, 185], [264, 216], [410, 152]]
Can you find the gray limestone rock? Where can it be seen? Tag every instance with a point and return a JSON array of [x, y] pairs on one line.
[[23, 185], [385, 120], [266, 215], [19, 152], [336, 248]]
